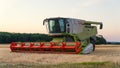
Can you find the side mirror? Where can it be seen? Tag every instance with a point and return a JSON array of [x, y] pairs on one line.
[[46, 20], [101, 25]]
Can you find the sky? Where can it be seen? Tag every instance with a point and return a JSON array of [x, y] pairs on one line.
[[26, 16]]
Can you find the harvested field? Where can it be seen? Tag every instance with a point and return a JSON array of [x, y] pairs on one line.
[[103, 53]]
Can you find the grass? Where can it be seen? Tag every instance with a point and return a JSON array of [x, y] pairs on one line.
[[65, 65]]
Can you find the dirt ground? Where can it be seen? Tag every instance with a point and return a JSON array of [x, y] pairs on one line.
[[103, 53]]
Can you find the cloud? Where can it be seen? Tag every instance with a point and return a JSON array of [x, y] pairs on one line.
[[88, 3]]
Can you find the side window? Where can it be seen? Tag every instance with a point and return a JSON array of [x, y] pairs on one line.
[[52, 24]]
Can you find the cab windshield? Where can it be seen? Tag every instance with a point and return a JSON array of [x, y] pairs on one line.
[[56, 25]]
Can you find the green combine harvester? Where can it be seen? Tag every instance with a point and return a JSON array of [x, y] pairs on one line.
[[69, 36]]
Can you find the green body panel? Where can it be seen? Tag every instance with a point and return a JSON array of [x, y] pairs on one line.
[[87, 33], [56, 39]]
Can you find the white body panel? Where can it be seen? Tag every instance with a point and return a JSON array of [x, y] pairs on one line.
[[75, 25]]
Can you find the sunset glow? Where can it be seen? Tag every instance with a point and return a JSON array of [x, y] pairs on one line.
[[26, 16]]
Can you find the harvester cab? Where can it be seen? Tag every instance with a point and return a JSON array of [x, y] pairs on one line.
[[69, 36]]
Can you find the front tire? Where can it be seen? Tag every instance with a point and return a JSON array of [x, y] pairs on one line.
[[93, 43]]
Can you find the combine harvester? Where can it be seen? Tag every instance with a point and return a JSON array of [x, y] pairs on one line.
[[69, 36]]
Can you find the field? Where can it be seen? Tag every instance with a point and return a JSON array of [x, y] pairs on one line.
[[103, 53]]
